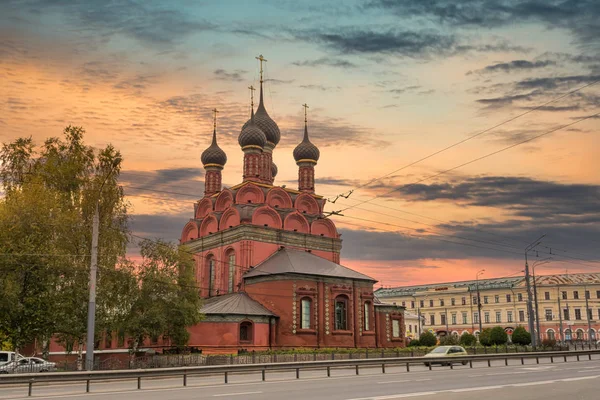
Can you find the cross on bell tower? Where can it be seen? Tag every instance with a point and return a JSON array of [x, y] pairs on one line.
[[215, 111], [305, 110], [261, 59], [252, 89]]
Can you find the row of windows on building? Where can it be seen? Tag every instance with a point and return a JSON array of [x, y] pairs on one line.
[[212, 272], [341, 314], [465, 320], [509, 316], [486, 299]]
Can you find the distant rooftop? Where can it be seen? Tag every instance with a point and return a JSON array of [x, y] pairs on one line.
[[494, 283], [288, 261], [235, 303]]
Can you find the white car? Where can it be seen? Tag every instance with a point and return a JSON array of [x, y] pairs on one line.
[[8, 356], [446, 352], [27, 365]]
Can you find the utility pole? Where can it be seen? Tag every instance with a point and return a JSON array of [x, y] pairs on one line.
[[537, 314], [530, 315], [479, 300], [91, 320], [560, 320], [446, 313], [535, 296], [587, 311]]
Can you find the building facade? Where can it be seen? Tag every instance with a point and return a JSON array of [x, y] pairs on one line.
[[568, 305], [267, 258]]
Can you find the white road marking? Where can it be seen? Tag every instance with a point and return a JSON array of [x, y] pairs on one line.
[[234, 394], [406, 380], [580, 378], [473, 389], [532, 383], [396, 396]]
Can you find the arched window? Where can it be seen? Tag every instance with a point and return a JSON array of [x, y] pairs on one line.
[[231, 261], [550, 334], [246, 332], [367, 316], [592, 334], [211, 275], [341, 313], [568, 334], [579, 333], [395, 328], [305, 307]]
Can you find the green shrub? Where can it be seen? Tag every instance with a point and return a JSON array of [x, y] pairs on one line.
[[449, 340], [521, 336], [498, 336], [467, 339], [485, 337], [427, 339], [414, 343], [549, 342]]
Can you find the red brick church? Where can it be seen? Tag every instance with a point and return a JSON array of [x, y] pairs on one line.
[[268, 259]]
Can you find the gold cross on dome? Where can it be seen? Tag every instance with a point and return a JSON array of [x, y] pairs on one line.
[[305, 110], [261, 59], [252, 89], [215, 111]]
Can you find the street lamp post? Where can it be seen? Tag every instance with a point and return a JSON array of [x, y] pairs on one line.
[[479, 299], [91, 320], [529, 299]]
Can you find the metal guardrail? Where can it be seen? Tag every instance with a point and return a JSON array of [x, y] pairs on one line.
[[227, 370]]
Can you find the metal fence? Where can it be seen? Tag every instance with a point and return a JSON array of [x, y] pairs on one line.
[[197, 359], [226, 370]]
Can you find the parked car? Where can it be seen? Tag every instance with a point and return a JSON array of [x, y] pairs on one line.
[[446, 352], [26, 365], [8, 356]]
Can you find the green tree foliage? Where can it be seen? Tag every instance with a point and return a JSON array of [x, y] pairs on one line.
[[428, 339], [4, 342], [28, 263], [521, 337], [467, 339], [414, 343], [164, 300], [485, 337], [498, 336], [449, 340], [51, 193]]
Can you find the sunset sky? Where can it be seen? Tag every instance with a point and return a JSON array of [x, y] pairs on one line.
[[387, 83]]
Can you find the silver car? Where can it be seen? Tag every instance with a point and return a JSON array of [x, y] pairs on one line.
[[27, 365], [446, 352]]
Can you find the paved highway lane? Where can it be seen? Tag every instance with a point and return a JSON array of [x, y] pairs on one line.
[[544, 381]]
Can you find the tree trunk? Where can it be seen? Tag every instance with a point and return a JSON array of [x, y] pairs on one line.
[[45, 349], [134, 349], [80, 355]]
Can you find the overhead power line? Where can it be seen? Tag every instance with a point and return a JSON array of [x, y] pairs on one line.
[[472, 161], [347, 194]]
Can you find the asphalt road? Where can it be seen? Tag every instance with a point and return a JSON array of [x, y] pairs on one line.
[[573, 380]]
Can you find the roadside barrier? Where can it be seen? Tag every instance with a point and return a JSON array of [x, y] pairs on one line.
[[227, 370]]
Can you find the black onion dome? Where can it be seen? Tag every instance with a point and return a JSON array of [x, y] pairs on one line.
[[214, 154], [306, 150], [265, 123], [252, 135], [273, 170]]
